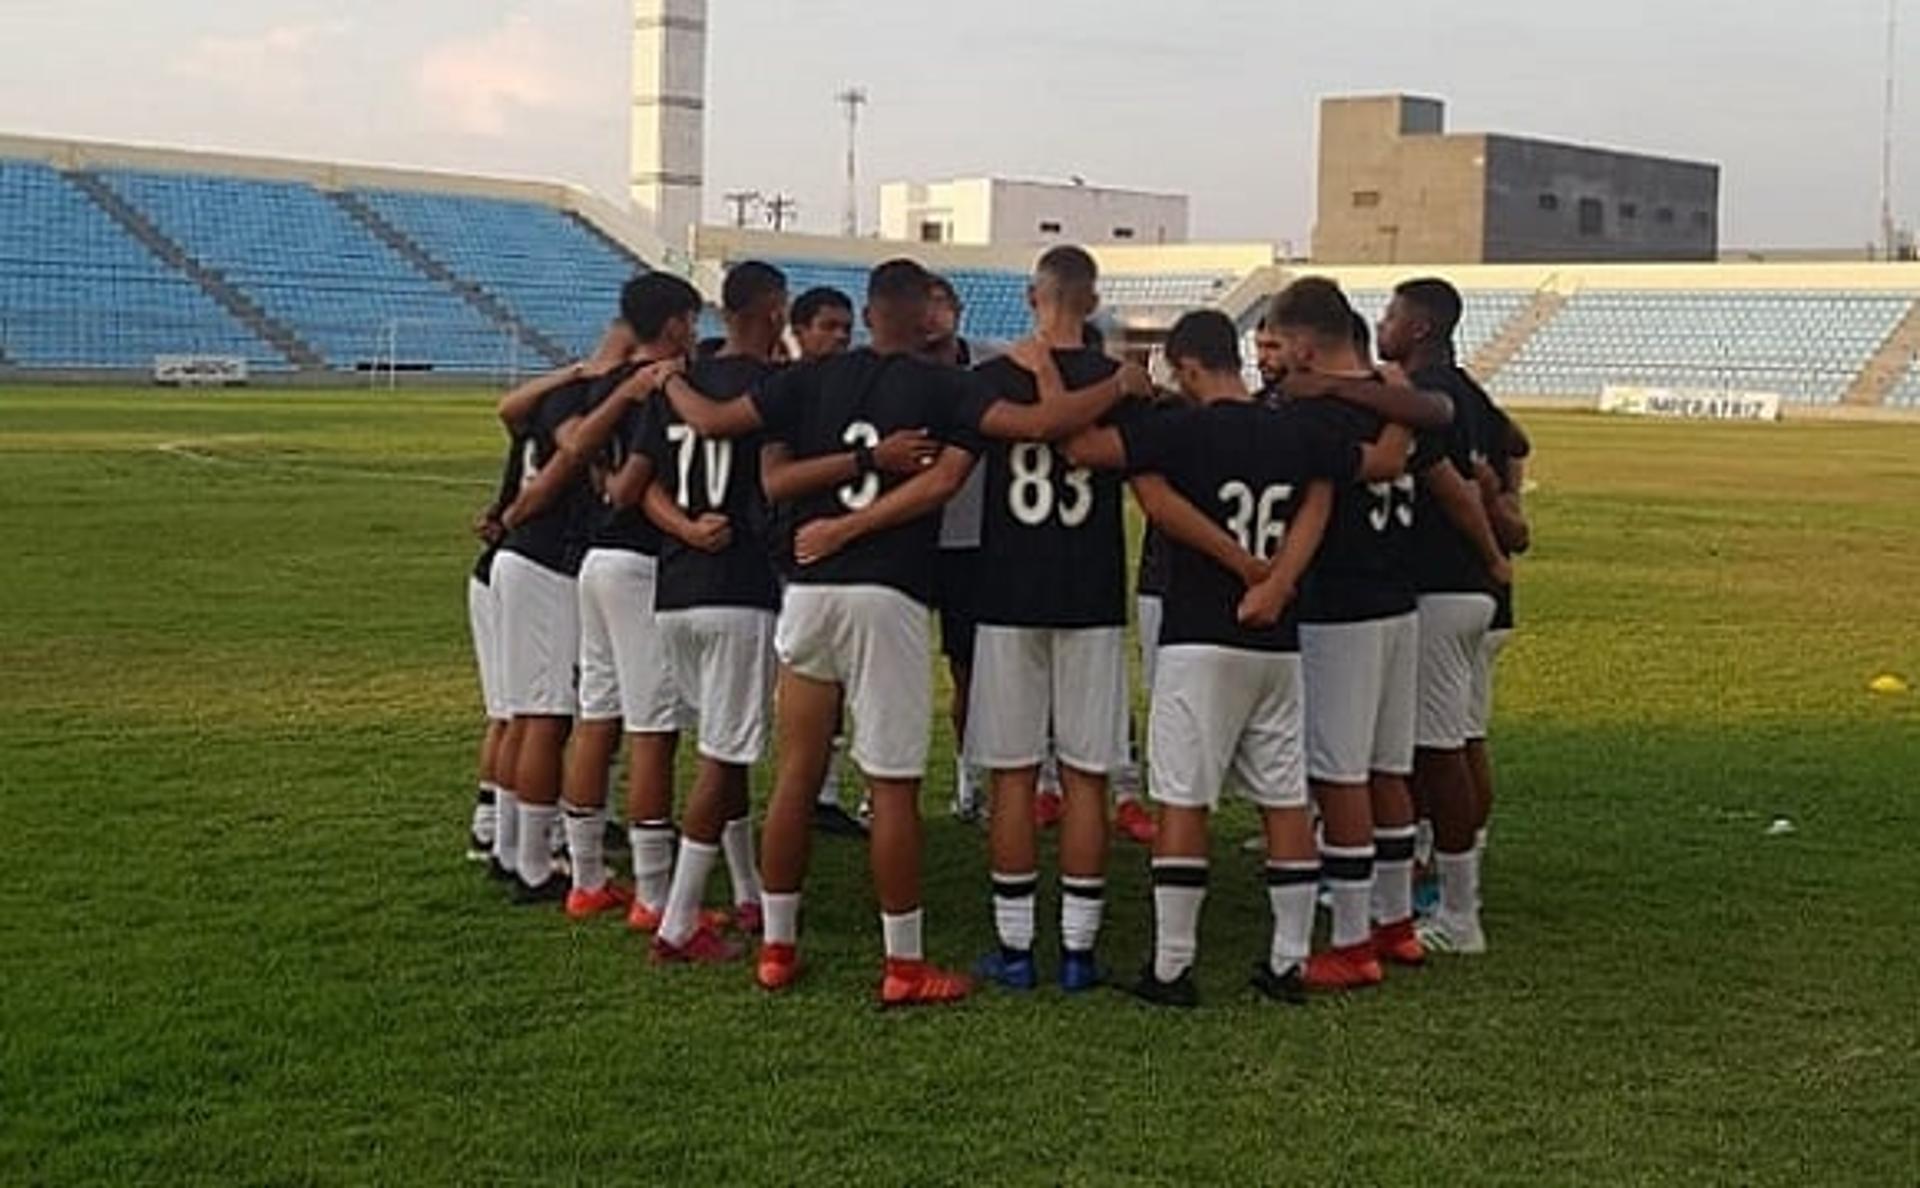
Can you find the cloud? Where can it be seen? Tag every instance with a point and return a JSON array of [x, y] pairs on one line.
[[275, 62], [476, 85]]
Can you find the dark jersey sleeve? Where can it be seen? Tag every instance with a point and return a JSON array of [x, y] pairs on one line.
[[963, 399], [646, 430], [782, 398], [1155, 440]]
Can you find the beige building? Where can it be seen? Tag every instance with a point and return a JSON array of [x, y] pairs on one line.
[[1009, 213], [1396, 188]]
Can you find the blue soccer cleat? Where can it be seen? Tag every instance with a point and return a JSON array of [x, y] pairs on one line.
[[1079, 972], [1011, 969]]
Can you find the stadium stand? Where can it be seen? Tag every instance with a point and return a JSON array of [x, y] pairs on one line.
[[1906, 392], [1173, 291], [1486, 313], [995, 302]]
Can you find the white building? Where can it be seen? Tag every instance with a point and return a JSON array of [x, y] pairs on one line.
[[1002, 212]]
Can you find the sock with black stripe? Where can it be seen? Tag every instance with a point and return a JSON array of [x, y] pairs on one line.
[[1292, 886], [1083, 902], [586, 845], [1393, 874], [1013, 896], [1179, 891], [1349, 875]]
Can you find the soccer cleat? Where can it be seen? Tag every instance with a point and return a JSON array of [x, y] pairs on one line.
[[1010, 969], [1288, 987], [584, 903], [915, 983], [1441, 933], [747, 918], [1133, 822], [499, 873], [479, 849], [777, 967], [1079, 972], [1181, 992], [1426, 894], [647, 919], [835, 821], [554, 890], [1048, 808], [1399, 944], [704, 947], [1351, 968]]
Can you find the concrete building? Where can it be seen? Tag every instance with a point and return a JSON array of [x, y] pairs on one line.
[[1003, 212], [1396, 188], [669, 115]]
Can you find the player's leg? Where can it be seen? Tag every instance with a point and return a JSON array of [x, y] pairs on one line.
[[1270, 764], [596, 737], [483, 622], [958, 642], [1341, 666], [540, 614], [1131, 818], [1394, 830], [650, 832], [734, 701], [1479, 756], [830, 813], [1008, 738], [1090, 710], [506, 822], [1452, 627]]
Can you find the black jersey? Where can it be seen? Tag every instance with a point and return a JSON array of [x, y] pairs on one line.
[[1364, 569], [1247, 468], [1499, 431], [832, 406], [553, 537], [625, 528], [1445, 560], [1053, 544], [510, 470], [707, 476]]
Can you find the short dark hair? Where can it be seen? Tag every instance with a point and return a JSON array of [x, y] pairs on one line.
[[937, 284], [1437, 301], [1072, 270], [651, 300], [900, 280], [1313, 304], [748, 283], [809, 304], [1208, 337], [1362, 337]]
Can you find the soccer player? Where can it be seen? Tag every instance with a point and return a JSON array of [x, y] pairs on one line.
[[1501, 478], [1226, 696], [1359, 640], [868, 445], [715, 604], [1050, 608], [534, 580], [822, 323], [1269, 356], [483, 622], [1457, 564]]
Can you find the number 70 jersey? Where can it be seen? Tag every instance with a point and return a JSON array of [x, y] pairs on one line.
[[1053, 547]]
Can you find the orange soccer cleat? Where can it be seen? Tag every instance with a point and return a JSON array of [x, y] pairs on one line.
[[1352, 968], [778, 966], [1399, 944], [1133, 822], [1048, 808], [584, 904], [915, 983], [646, 919], [704, 947]]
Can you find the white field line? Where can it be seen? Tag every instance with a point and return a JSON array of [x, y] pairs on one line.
[[196, 452]]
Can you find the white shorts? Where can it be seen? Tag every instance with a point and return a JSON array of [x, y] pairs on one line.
[[1360, 688], [539, 627], [483, 619], [1225, 711], [877, 644], [722, 661], [623, 668], [1026, 679], [1453, 627], [1150, 612], [1490, 650]]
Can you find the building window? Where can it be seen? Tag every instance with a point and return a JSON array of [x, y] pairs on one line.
[[1593, 217], [932, 232], [1629, 211], [1702, 220], [1123, 232], [1049, 227], [1549, 202], [1664, 216], [1366, 199]]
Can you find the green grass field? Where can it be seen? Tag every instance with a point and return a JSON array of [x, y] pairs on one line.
[[237, 941]]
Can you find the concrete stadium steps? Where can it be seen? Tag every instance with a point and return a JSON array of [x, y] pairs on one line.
[[1888, 369], [486, 303], [242, 307], [613, 245], [1512, 338]]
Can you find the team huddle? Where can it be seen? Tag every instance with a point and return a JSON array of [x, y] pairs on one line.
[[745, 540]]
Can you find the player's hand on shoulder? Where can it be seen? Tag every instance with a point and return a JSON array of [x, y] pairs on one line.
[[711, 533], [654, 376], [1030, 353], [819, 539], [905, 451], [1135, 382]]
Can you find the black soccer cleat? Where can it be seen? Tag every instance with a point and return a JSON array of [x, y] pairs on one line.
[[554, 890], [1181, 992], [834, 820], [497, 873], [1288, 987]]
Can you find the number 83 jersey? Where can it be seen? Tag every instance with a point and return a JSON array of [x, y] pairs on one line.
[[1053, 546], [1246, 468]]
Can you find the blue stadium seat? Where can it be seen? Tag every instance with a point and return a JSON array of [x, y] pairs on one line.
[[1906, 392], [1485, 314], [995, 302]]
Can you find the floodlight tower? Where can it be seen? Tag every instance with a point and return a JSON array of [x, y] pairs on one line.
[[669, 115], [852, 99], [1888, 231]]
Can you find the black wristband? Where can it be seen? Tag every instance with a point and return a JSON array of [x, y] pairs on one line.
[[863, 458]]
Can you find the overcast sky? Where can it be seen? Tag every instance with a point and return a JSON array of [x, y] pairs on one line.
[[1211, 97]]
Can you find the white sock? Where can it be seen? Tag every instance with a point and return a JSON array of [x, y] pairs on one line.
[[830, 786], [1291, 890], [506, 830], [736, 838], [1349, 873], [1179, 891], [1013, 896], [535, 866], [689, 888], [1082, 903], [1479, 858], [1459, 884], [587, 845], [483, 812], [1393, 874], [902, 935], [964, 789], [1423, 842], [652, 843], [781, 912]]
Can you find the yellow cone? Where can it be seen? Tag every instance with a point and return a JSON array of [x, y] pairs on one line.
[[1889, 684]]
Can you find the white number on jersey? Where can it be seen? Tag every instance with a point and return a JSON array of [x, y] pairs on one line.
[[1257, 522], [529, 464], [719, 465], [1391, 501], [1030, 491], [866, 489]]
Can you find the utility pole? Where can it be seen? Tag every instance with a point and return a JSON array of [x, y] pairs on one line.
[[780, 211], [1888, 232], [852, 99], [743, 202]]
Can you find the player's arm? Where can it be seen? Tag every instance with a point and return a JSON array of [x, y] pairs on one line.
[[517, 407], [1188, 525], [1385, 458], [1400, 403], [1266, 601], [1461, 504], [1059, 413], [786, 478], [628, 486], [710, 418], [710, 533], [921, 495], [1097, 449]]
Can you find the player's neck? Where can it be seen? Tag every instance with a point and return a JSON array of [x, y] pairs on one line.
[[1221, 388], [745, 348], [1061, 330], [1422, 357]]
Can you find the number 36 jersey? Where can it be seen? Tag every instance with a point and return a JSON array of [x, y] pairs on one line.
[[858, 399], [1246, 468], [1053, 546]]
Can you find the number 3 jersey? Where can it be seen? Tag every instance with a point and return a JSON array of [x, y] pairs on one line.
[[858, 399], [1053, 547], [711, 477], [1364, 569], [1246, 468]]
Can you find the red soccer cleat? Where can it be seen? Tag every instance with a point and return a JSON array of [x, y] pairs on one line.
[[915, 983], [1352, 968], [778, 967], [1133, 822], [1048, 808], [1399, 944], [747, 918], [704, 947], [584, 904]]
